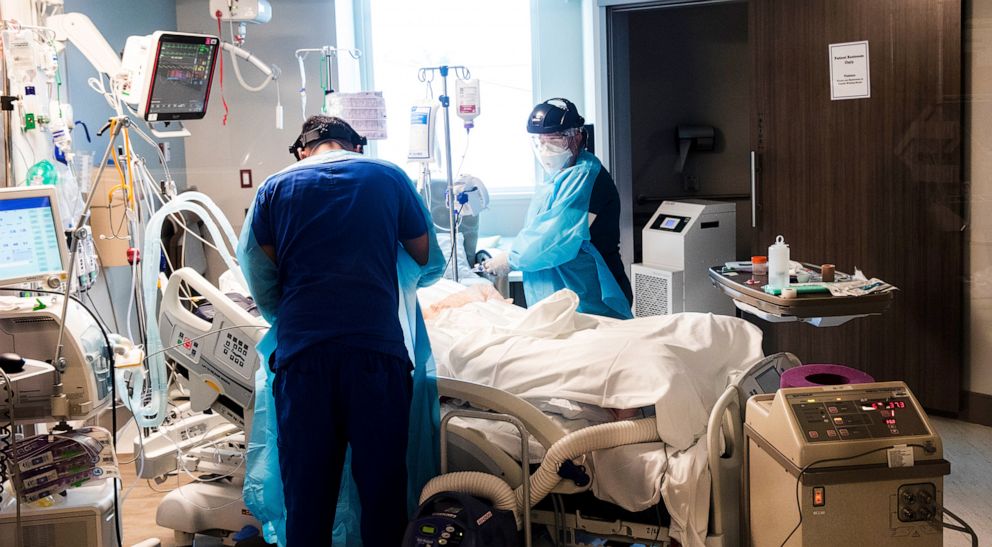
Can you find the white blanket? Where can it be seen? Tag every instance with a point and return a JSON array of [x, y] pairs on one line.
[[679, 364]]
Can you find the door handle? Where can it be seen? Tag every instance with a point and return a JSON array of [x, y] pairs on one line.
[[754, 190]]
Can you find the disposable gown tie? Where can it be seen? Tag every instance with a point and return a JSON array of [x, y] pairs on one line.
[[554, 250], [263, 482]]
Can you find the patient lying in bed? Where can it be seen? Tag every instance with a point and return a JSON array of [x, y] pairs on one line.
[[566, 363]]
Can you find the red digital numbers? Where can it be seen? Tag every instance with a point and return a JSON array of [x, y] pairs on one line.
[[888, 405]]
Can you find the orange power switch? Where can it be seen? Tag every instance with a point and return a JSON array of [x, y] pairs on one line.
[[819, 497]]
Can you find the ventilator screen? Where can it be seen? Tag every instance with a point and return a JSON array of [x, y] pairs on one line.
[[30, 246]]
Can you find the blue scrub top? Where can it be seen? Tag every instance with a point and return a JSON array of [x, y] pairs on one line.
[[336, 228]]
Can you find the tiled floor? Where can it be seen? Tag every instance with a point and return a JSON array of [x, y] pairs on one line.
[[966, 491]]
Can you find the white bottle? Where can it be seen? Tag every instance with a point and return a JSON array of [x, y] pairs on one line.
[[468, 106], [778, 264]]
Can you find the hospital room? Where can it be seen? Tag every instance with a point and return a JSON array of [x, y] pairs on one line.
[[478, 273]]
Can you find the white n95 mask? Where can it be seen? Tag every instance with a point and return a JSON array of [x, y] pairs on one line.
[[552, 157]]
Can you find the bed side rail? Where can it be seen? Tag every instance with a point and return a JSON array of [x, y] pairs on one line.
[[479, 396], [724, 435]]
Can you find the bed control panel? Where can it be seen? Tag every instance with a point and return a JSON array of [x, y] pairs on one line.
[[851, 415]]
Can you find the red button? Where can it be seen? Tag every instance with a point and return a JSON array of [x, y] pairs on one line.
[[844, 433], [814, 435], [831, 433], [832, 409]]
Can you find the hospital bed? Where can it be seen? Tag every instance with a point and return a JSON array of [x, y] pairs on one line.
[[480, 433], [218, 380], [576, 510], [213, 354]]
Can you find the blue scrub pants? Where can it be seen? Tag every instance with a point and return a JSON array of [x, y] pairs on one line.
[[328, 396]]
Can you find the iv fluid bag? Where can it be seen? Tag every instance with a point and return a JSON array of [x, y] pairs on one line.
[[422, 138]]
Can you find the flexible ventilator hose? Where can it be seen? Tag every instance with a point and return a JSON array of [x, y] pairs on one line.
[[542, 482], [581, 442], [478, 484], [152, 413]]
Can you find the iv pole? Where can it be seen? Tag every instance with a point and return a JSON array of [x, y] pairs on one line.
[[464, 74], [328, 53], [116, 125]]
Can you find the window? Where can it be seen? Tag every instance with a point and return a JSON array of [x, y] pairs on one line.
[[492, 39]]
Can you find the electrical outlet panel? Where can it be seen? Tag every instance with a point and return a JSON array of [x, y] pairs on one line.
[[918, 502]]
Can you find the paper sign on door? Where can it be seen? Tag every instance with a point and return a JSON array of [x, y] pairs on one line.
[[849, 75]]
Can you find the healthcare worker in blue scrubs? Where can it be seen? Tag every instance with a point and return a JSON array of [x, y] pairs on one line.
[[332, 225], [571, 239]]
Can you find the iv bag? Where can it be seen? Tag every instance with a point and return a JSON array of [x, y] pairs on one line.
[[422, 134]]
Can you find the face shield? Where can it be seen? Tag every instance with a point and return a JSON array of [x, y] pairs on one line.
[[554, 150]]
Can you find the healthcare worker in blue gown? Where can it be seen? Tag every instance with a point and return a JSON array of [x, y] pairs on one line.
[[571, 239], [332, 226]]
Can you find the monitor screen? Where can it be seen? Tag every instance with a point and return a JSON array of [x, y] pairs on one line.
[[769, 380], [179, 84], [31, 244]]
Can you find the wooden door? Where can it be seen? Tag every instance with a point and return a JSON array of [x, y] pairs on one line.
[[872, 183]]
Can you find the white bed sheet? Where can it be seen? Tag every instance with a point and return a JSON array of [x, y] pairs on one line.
[[678, 364]]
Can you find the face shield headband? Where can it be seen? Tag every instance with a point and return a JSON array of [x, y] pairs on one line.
[[325, 133]]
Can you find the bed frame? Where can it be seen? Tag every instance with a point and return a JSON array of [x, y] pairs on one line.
[[464, 449]]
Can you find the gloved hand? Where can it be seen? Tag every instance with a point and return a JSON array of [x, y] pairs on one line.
[[498, 265]]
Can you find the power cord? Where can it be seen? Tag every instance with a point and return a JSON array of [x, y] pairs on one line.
[[965, 528], [799, 477]]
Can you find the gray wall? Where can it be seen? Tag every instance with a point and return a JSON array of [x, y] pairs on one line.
[[216, 153], [689, 65]]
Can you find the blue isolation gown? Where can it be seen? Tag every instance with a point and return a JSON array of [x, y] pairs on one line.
[[554, 250], [263, 492]]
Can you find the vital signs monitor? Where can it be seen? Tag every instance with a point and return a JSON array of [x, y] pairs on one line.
[[177, 76]]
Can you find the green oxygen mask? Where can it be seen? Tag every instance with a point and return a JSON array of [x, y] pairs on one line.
[[42, 173]]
